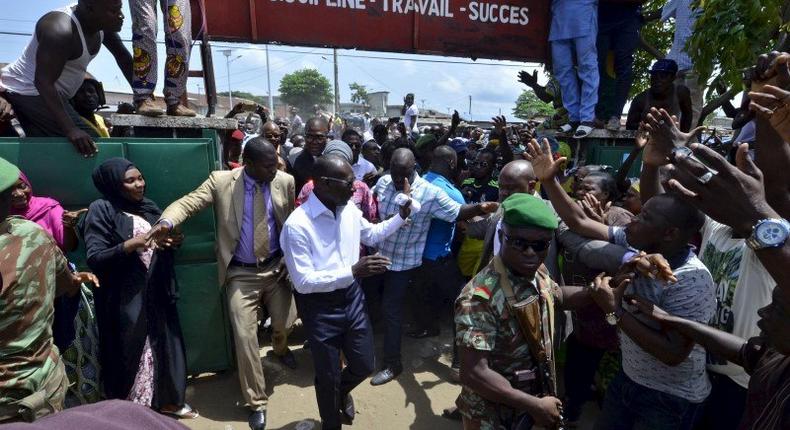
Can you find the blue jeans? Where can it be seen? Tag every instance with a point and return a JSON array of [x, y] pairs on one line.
[[578, 99], [390, 288], [629, 405]]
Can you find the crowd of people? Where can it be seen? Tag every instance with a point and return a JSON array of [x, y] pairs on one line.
[[667, 295]]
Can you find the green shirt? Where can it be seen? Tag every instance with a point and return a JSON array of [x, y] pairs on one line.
[[30, 264]]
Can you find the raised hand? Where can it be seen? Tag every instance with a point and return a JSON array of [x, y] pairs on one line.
[[664, 137], [773, 104], [527, 79], [499, 123], [772, 68], [740, 187], [544, 165], [593, 209], [642, 136]]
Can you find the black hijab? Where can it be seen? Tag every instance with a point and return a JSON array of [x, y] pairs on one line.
[[108, 179]]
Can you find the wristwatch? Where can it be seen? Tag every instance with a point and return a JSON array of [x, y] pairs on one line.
[[769, 233], [612, 318]]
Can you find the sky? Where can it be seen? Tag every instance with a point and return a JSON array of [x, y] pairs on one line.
[[440, 86]]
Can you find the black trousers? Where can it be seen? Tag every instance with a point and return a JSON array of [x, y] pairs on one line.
[[436, 286], [335, 322]]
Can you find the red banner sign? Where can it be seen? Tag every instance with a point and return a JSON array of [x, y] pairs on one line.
[[503, 30]]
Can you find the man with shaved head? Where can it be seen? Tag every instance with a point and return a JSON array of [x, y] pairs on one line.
[[316, 132], [251, 204], [439, 280], [516, 177], [405, 247], [321, 242]]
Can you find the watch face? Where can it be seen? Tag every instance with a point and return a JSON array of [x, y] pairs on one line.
[[611, 319], [770, 234]]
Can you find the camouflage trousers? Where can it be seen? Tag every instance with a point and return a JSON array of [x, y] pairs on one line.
[[178, 42], [48, 400]]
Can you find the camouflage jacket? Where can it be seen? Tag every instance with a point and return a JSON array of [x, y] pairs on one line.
[[30, 266], [483, 322]]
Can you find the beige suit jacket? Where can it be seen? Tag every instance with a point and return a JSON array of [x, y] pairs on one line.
[[225, 190]]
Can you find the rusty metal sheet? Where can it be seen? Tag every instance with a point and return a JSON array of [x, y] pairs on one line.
[[503, 30]]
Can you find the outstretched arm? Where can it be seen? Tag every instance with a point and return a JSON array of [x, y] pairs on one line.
[[546, 169], [717, 342]]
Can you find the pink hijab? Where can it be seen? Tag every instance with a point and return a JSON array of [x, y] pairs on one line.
[[44, 211]]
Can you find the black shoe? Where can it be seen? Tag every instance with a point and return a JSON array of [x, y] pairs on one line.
[[386, 374], [257, 420], [421, 334], [347, 411], [288, 360]]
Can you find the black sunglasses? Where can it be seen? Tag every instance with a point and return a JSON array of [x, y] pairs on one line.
[[347, 184], [521, 245], [482, 164]]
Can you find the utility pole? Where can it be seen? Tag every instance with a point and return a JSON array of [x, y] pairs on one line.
[[337, 87], [422, 102], [470, 107], [226, 53], [269, 82]]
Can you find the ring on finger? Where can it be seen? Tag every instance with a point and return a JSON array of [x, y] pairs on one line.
[[706, 177]]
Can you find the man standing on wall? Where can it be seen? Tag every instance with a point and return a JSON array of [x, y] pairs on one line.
[[178, 39]]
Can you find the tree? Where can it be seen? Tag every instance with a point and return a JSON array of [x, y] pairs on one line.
[[528, 106], [261, 100], [359, 93], [305, 88]]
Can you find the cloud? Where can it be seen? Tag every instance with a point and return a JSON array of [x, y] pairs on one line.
[[449, 84]]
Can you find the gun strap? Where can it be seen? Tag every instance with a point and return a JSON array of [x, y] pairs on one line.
[[547, 333]]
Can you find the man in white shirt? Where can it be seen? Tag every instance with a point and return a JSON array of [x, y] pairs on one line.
[[363, 169], [410, 113], [320, 242]]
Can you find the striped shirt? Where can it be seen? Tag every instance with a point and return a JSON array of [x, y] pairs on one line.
[[685, 17], [405, 247]]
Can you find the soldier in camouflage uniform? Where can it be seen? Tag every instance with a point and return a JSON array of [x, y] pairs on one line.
[[33, 271], [500, 380]]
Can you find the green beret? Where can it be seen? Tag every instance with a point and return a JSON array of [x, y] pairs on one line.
[[526, 210], [9, 174]]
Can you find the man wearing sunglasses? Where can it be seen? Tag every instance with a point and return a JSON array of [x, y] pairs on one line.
[[321, 242], [505, 383], [316, 132]]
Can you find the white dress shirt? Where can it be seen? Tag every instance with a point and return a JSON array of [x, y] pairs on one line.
[[320, 247]]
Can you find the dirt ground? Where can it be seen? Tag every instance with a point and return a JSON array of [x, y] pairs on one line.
[[414, 400]]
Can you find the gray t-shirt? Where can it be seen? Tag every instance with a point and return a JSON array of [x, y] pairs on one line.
[[691, 297]]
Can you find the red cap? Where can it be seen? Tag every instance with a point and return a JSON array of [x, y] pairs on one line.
[[237, 134]]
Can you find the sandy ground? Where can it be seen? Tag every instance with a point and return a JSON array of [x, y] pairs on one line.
[[414, 400]]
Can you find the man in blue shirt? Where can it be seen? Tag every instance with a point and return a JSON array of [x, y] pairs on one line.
[[574, 28], [440, 279]]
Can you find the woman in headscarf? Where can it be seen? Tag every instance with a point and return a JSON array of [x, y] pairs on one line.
[[46, 212], [142, 353]]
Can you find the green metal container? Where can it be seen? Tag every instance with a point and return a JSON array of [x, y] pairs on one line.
[[172, 168]]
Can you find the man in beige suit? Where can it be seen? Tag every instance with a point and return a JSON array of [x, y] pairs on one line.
[[251, 204]]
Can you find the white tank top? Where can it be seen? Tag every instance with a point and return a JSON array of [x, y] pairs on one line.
[[19, 76]]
